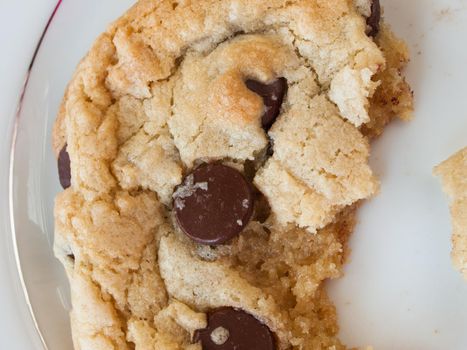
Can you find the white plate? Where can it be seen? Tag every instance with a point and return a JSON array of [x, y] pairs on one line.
[[399, 291]]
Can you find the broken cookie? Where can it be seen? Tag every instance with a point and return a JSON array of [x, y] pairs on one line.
[[214, 154]]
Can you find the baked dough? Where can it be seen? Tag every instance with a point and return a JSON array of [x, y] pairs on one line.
[[162, 91], [453, 173]]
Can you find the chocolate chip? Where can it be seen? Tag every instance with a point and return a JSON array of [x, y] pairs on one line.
[[273, 96], [374, 20], [214, 204], [232, 329], [64, 170]]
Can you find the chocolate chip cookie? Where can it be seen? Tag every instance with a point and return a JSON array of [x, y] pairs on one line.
[[213, 154], [453, 173]]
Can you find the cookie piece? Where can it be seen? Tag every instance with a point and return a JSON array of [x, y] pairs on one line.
[[283, 94], [453, 173], [320, 159], [393, 98]]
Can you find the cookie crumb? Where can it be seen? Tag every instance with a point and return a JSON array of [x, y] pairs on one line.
[[445, 14], [187, 189], [220, 335]]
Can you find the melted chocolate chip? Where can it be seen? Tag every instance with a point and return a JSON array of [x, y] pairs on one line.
[[374, 20], [64, 170], [273, 96], [231, 329], [214, 204]]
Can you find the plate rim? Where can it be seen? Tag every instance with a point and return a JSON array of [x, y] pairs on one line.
[[10, 179]]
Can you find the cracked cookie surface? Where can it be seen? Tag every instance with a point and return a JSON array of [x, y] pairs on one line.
[[173, 85]]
